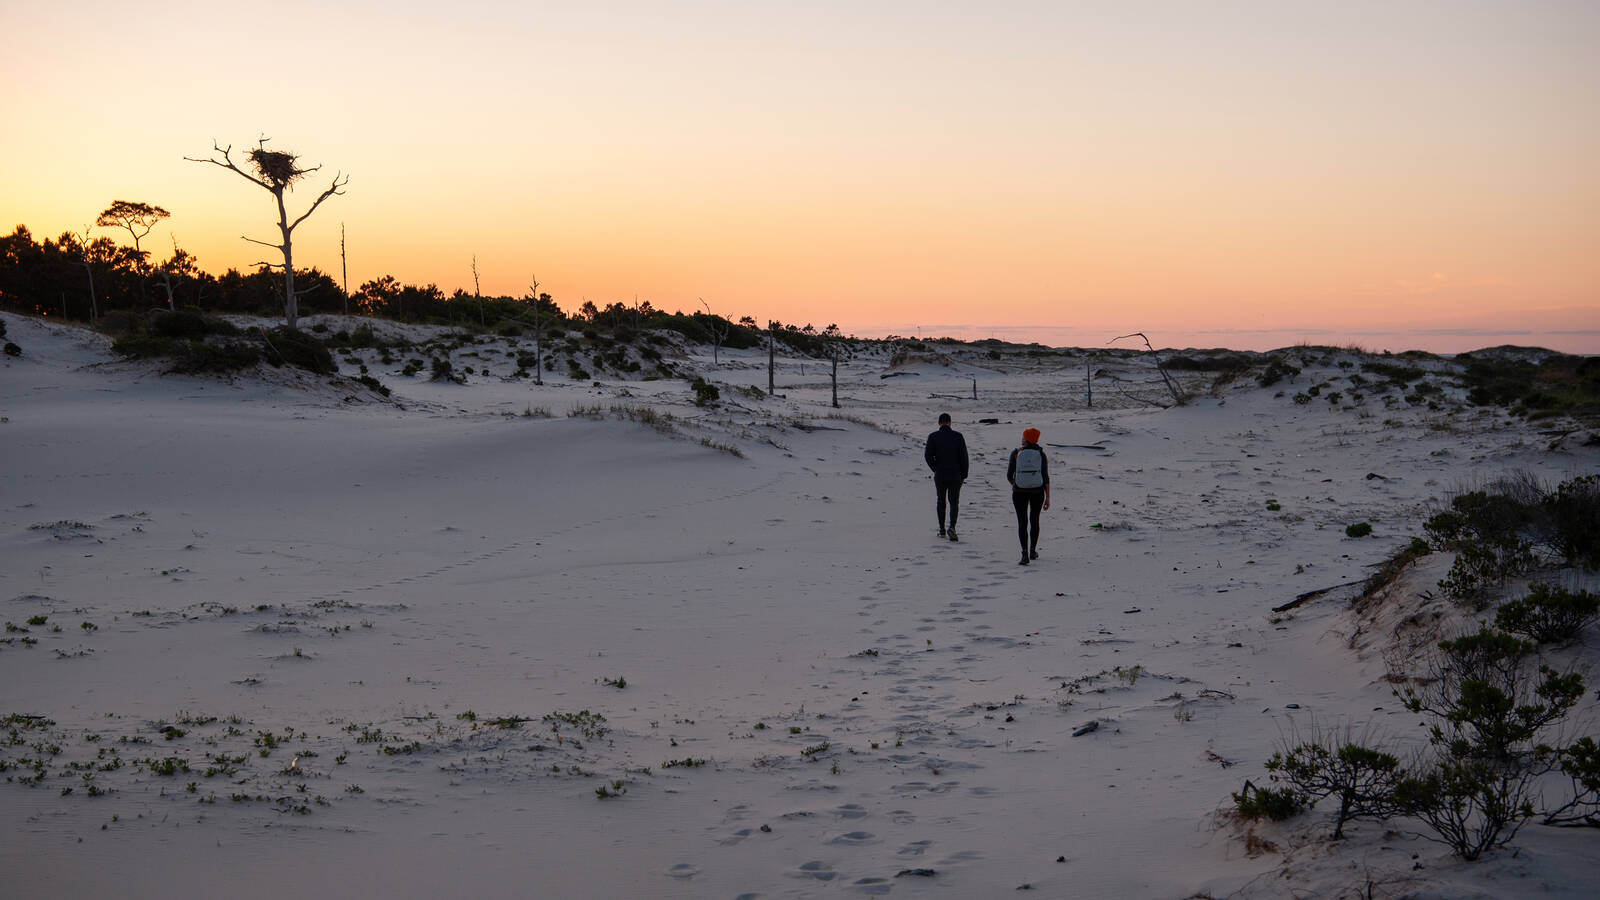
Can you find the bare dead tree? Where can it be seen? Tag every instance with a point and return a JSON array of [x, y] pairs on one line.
[[538, 340], [88, 269], [344, 271], [276, 172], [477, 292], [772, 356], [719, 328], [833, 347], [1177, 393], [166, 282]]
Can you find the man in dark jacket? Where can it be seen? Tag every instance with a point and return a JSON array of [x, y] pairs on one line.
[[947, 458]]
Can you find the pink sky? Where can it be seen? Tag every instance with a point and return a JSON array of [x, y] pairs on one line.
[[1421, 173]]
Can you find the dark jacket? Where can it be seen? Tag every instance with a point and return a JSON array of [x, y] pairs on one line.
[[1044, 469], [947, 454]]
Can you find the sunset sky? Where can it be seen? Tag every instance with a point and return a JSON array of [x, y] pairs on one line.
[[1249, 174]]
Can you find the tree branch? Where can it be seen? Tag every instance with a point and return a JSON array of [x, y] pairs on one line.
[[227, 163], [334, 189]]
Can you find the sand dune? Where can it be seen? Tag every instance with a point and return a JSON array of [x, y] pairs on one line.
[[353, 646]]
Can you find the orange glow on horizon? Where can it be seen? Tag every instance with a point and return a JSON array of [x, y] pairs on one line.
[[1232, 171]]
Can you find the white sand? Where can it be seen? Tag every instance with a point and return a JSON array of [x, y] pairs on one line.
[[441, 554]]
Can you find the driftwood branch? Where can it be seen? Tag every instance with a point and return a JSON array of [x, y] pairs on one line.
[[1311, 595], [1177, 394]]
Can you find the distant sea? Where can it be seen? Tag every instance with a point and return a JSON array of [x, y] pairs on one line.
[[1584, 341]]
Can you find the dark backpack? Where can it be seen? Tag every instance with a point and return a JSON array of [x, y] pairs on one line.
[[1030, 469]]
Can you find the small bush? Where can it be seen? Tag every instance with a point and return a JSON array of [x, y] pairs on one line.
[[285, 346], [188, 357], [1487, 701], [1470, 805], [1571, 521], [1548, 614], [1358, 530], [1581, 763], [1276, 804], [374, 384], [705, 393], [12, 349], [1363, 779], [1482, 566], [188, 324], [1276, 371]]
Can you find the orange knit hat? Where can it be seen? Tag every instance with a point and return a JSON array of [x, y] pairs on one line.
[[1031, 435]]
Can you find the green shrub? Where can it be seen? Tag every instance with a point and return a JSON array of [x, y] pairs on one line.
[[1470, 805], [1362, 778], [1478, 567], [1489, 710], [1486, 699], [705, 393], [374, 384], [1581, 763], [1359, 529], [1276, 804], [1276, 371], [1548, 614], [285, 346], [1571, 521], [12, 349], [1475, 516], [188, 357]]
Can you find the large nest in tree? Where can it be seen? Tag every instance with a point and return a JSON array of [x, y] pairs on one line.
[[275, 166]]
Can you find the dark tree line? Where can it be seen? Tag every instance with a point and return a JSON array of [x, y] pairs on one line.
[[86, 279], [83, 279]]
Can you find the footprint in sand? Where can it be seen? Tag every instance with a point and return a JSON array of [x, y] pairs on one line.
[[683, 870], [915, 848], [872, 885], [961, 856], [817, 869], [851, 811], [855, 839]]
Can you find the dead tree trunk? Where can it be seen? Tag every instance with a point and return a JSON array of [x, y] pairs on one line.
[[719, 328], [538, 342], [344, 271], [275, 172]]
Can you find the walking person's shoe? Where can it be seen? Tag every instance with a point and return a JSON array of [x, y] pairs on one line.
[[953, 533], [1033, 554], [1023, 561], [941, 532]]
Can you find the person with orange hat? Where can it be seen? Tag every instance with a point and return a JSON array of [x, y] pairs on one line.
[[1029, 474]]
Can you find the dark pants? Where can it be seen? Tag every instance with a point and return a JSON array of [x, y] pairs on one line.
[[949, 493], [1028, 504]]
